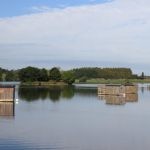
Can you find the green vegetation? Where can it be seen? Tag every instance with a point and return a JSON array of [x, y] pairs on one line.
[[0, 76], [3, 74], [11, 76], [68, 77], [113, 81], [106, 73], [55, 74], [36, 76], [30, 74], [142, 75], [43, 75]]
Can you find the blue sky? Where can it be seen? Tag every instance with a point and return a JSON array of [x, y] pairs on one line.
[[10, 8], [75, 33]]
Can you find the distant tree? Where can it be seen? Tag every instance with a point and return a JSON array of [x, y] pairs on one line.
[[43, 76], [29, 74], [142, 75], [54, 74], [68, 77], [135, 76], [9, 76], [0, 76], [107, 73], [82, 79], [86, 72], [3, 74]]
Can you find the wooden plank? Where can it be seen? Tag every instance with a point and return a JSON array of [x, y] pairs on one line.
[[7, 93]]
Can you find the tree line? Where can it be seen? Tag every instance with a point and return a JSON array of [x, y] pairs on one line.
[[106, 73], [31, 74]]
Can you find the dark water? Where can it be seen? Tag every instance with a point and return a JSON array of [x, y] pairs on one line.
[[75, 118]]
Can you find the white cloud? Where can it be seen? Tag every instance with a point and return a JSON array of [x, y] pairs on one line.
[[117, 31]]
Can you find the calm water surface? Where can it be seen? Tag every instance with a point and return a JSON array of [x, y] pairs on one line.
[[75, 118]]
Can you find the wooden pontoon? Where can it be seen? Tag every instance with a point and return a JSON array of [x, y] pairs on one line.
[[117, 89], [7, 93], [117, 94]]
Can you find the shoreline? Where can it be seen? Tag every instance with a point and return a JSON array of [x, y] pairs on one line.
[[37, 83]]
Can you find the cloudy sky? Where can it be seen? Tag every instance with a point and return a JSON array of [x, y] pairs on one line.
[[75, 33]]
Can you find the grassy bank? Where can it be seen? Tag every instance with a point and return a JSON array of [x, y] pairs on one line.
[[89, 81], [114, 81]]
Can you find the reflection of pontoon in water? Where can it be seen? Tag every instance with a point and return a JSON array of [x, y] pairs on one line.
[[118, 94], [7, 95], [7, 109]]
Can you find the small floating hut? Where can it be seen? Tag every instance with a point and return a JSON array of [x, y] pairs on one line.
[[7, 93], [117, 89]]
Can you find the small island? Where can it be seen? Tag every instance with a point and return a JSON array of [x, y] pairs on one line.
[[87, 75]]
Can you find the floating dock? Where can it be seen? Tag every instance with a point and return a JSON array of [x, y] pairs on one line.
[[117, 89], [116, 94], [7, 93]]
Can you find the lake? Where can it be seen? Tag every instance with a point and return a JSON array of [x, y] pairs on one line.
[[75, 118]]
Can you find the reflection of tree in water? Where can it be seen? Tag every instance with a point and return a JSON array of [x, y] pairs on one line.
[[53, 93], [32, 93], [68, 92], [142, 89], [145, 88], [148, 88], [86, 91]]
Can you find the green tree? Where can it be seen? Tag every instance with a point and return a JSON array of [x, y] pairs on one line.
[[55, 74], [29, 74], [43, 75], [11, 76], [83, 79], [0, 76], [68, 77], [3, 74], [142, 75], [107, 73]]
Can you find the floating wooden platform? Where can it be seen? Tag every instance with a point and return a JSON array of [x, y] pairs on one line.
[[117, 89], [7, 93]]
